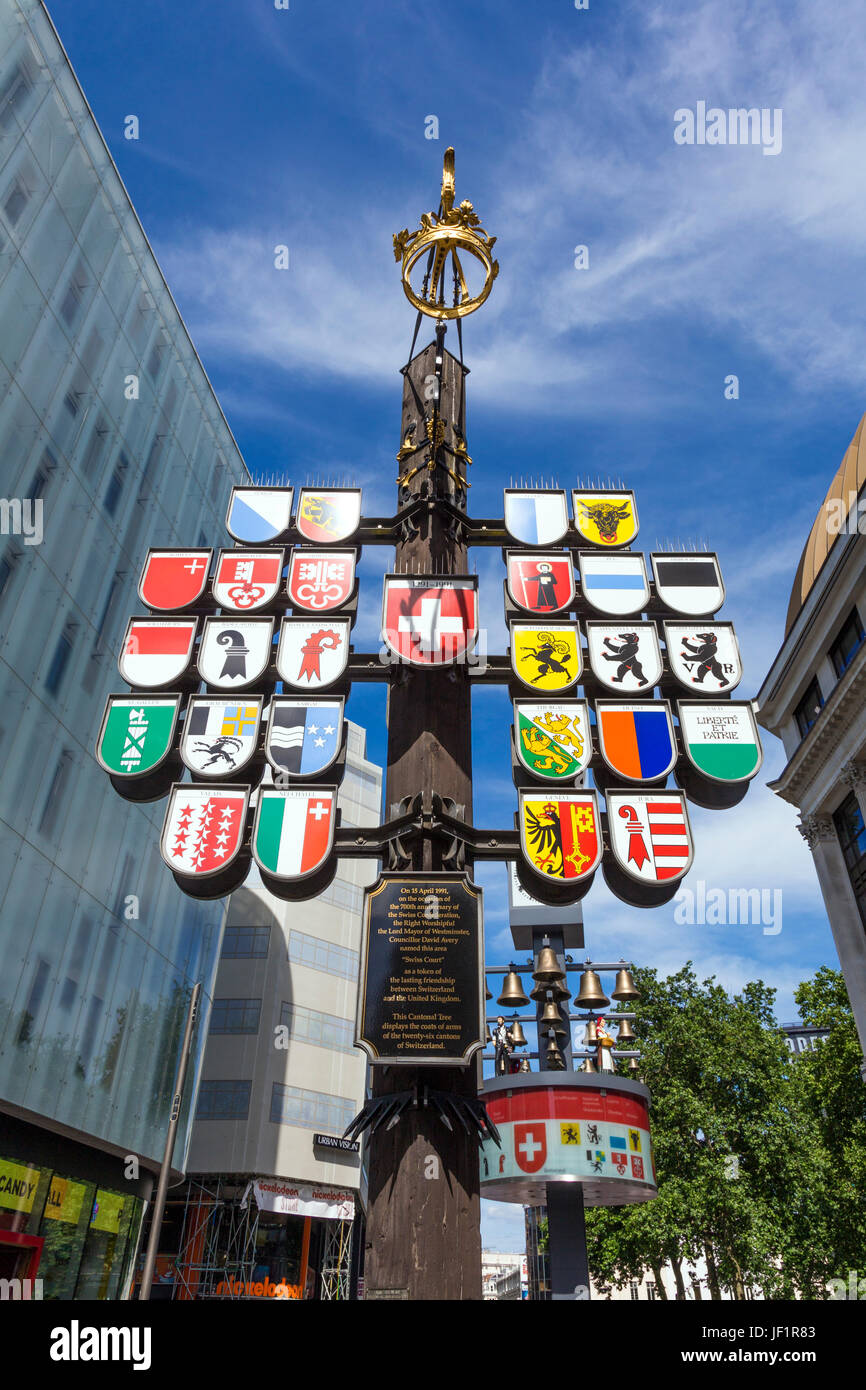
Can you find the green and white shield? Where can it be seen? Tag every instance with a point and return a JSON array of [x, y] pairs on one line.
[[137, 733], [721, 740], [552, 739]]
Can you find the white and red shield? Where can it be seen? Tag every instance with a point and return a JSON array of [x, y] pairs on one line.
[[327, 516], [430, 622], [530, 1145], [312, 652], [247, 579], [321, 580], [541, 581], [204, 828], [650, 834], [156, 653], [173, 579]]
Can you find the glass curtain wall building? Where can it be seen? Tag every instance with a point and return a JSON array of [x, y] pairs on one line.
[[111, 439]]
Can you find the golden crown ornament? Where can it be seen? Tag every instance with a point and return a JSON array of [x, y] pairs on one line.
[[442, 237]]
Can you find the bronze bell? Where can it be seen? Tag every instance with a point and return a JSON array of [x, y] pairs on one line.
[[591, 996], [556, 1063], [625, 988], [589, 1065], [512, 995], [524, 1064], [487, 994], [518, 1037], [592, 1032], [554, 1056], [556, 987], [632, 1063], [547, 967], [552, 1019], [489, 1038], [626, 1032]]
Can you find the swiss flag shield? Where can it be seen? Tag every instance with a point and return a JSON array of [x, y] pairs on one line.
[[430, 622], [530, 1145]]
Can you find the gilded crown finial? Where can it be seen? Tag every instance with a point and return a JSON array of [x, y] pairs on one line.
[[445, 234]]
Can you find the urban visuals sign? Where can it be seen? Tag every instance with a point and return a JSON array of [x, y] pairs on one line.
[[419, 998]]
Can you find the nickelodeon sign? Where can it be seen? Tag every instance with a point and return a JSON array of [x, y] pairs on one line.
[[238, 1288]]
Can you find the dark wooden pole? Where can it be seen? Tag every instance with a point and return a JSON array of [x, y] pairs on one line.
[[423, 1222]]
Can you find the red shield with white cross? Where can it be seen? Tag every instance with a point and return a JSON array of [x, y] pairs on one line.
[[430, 622], [173, 579], [530, 1145]]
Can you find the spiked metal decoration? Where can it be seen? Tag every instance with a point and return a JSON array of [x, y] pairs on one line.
[[624, 989], [388, 1110], [512, 995], [591, 995]]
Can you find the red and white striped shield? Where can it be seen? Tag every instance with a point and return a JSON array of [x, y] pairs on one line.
[[430, 622], [650, 834]]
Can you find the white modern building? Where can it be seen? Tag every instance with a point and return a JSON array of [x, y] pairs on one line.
[[814, 700]]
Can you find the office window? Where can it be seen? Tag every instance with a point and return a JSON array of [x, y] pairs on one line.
[[323, 955], [310, 1109], [223, 1100], [7, 568], [235, 1015], [108, 607], [323, 1030], [851, 831], [34, 1000], [16, 200], [809, 708], [60, 659], [74, 296], [54, 799], [13, 96], [113, 491], [244, 943], [634, 1289], [847, 644]]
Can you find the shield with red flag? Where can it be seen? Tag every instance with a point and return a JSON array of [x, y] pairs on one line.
[[650, 834], [541, 581], [530, 1145], [173, 579], [430, 622]]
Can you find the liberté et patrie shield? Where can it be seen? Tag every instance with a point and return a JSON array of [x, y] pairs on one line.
[[721, 741]]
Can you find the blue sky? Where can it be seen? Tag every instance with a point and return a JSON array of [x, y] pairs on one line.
[[306, 127]]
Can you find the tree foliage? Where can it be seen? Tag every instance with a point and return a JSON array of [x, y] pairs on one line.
[[760, 1154]]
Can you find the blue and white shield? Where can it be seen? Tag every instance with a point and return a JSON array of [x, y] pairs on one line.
[[614, 583], [536, 517], [259, 514], [303, 736]]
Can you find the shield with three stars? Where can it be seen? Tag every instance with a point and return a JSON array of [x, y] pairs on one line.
[[430, 622], [303, 736], [204, 828]]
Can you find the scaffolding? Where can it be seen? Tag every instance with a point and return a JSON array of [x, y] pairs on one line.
[[218, 1250], [337, 1260]]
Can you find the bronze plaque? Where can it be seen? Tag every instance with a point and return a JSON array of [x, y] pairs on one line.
[[420, 994]]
